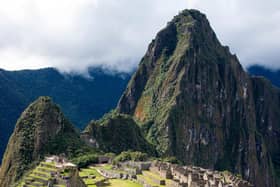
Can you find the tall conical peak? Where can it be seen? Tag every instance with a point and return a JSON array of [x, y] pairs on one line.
[[195, 102], [190, 29], [41, 129], [44, 115], [187, 39]]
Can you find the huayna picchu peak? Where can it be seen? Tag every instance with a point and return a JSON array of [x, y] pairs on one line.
[[195, 102], [189, 117]]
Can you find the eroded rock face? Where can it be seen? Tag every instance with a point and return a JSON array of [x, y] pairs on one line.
[[195, 102], [41, 129]]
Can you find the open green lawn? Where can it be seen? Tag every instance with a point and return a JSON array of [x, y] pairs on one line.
[[122, 183], [102, 182], [116, 183]]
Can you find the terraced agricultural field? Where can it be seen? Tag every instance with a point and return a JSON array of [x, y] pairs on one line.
[[41, 176]]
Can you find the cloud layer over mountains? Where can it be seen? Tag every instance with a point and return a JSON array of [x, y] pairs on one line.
[[251, 28], [73, 35]]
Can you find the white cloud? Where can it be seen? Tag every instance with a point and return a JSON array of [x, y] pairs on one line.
[[249, 27], [72, 35]]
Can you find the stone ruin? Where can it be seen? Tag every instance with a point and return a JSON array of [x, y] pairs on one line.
[[190, 176], [154, 174]]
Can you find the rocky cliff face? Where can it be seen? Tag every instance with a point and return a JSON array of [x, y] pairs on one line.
[[195, 102], [42, 129]]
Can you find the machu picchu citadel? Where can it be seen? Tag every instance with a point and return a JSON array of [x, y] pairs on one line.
[[56, 171], [159, 174]]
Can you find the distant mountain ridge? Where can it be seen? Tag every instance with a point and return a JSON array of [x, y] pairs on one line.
[[270, 74], [81, 99]]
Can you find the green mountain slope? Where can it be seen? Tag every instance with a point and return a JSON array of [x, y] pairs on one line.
[[80, 98], [42, 129], [195, 102], [116, 133]]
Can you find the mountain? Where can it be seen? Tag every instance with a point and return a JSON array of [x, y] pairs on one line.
[[81, 98], [194, 101], [272, 75], [41, 129], [190, 99], [117, 133]]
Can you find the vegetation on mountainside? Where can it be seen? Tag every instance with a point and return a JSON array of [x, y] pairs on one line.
[[117, 132], [131, 156], [172, 160], [81, 98], [41, 130], [85, 160], [195, 102]]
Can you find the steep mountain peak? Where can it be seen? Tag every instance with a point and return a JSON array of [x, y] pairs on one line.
[[194, 101], [41, 129], [190, 30], [45, 117], [187, 40]]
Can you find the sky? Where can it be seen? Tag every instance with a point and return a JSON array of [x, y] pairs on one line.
[[74, 35]]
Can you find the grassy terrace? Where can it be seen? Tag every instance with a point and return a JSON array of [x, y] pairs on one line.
[[148, 180], [40, 176], [48, 164], [47, 169], [100, 181], [91, 177], [148, 176], [91, 182], [108, 167], [122, 183]]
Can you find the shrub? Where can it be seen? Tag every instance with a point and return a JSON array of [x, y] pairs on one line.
[[131, 156], [111, 155], [172, 160], [84, 161]]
